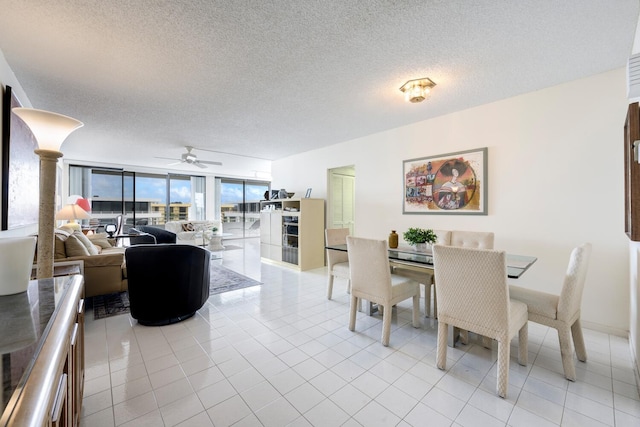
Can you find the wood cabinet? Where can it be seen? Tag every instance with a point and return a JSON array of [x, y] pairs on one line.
[[48, 384], [292, 232]]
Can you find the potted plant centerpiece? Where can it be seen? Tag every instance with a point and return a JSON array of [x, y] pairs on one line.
[[420, 237]]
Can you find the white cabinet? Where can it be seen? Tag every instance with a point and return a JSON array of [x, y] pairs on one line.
[[292, 232]]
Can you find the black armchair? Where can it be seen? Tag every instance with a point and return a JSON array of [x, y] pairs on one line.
[[157, 235], [167, 283]]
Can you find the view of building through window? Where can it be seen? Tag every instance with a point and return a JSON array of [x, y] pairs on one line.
[[240, 206], [143, 199]]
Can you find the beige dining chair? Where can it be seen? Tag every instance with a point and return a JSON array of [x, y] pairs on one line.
[[562, 312], [338, 261], [471, 239], [371, 280], [425, 277], [473, 295]]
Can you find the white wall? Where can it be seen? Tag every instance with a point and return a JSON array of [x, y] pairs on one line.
[[555, 181], [7, 78]]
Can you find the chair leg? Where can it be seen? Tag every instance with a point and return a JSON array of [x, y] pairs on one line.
[[566, 351], [416, 310], [504, 353], [578, 341], [441, 358], [330, 286], [486, 342], [386, 325], [464, 336], [352, 313], [523, 340]]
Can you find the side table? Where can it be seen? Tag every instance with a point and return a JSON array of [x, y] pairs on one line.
[[215, 241]]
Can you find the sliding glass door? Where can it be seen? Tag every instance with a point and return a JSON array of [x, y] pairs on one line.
[[240, 206]]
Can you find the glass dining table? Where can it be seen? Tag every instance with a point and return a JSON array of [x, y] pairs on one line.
[[408, 257]]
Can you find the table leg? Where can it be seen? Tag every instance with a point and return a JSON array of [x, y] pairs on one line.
[[452, 336], [215, 243]]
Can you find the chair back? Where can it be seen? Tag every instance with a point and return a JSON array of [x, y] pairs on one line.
[[444, 237], [472, 288], [336, 236], [574, 278], [472, 239], [369, 268], [166, 282]]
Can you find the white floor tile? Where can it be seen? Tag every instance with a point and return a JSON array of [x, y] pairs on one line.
[[281, 354]]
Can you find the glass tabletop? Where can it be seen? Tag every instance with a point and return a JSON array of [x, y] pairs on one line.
[[516, 264]]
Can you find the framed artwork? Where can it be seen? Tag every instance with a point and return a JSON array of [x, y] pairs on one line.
[[454, 184], [20, 168], [308, 193]]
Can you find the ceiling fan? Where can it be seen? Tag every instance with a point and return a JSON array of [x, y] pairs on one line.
[[191, 159]]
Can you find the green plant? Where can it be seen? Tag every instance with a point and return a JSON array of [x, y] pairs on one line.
[[413, 236], [214, 229]]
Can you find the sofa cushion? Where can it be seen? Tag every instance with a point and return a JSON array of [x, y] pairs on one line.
[[86, 242], [100, 240], [59, 249], [74, 247]]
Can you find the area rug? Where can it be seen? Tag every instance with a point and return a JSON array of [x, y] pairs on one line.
[[110, 305], [222, 280], [225, 280]]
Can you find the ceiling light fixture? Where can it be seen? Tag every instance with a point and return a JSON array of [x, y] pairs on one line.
[[417, 90]]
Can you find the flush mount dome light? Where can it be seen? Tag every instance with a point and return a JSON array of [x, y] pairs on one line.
[[417, 90]]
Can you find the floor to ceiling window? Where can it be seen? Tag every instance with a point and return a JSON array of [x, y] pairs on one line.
[[142, 198], [240, 206]]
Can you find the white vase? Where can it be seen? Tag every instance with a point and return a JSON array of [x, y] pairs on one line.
[[421, 247], [16, 262]]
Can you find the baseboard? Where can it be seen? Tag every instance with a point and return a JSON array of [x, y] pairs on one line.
[[605, 329], [634, 360]]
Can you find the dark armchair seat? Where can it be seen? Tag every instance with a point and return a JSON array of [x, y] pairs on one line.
[[167, 283]]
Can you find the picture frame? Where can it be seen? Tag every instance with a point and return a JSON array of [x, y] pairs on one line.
[[308, 193], [446, 184], [20, 168]]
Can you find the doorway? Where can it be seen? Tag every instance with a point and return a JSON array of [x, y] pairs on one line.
[[341, 198]]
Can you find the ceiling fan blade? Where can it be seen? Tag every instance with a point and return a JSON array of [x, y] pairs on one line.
[[175, 163], [200, 165], [207, 162], [168, 158]]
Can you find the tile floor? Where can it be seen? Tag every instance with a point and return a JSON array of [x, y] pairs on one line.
[[281, 354]]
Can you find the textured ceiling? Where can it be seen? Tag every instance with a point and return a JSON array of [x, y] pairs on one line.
[[274, 78]]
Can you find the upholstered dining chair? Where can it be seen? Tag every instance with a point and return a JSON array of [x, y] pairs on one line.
[[425, 277], [471, 239], [371, 279], [562, 312], [473, 295], [338, 261]]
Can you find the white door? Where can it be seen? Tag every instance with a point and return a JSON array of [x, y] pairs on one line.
[[342, 198]]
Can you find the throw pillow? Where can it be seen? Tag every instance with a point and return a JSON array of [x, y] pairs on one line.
[[100, 240], [74, 247], [187, 226], [86, 242], [60, 251]]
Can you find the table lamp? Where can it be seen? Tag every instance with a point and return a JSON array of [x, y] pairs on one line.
[[72, 213], [50, 130]]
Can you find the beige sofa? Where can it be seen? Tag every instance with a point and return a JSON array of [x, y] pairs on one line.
[[193, 232], [104, 267]]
